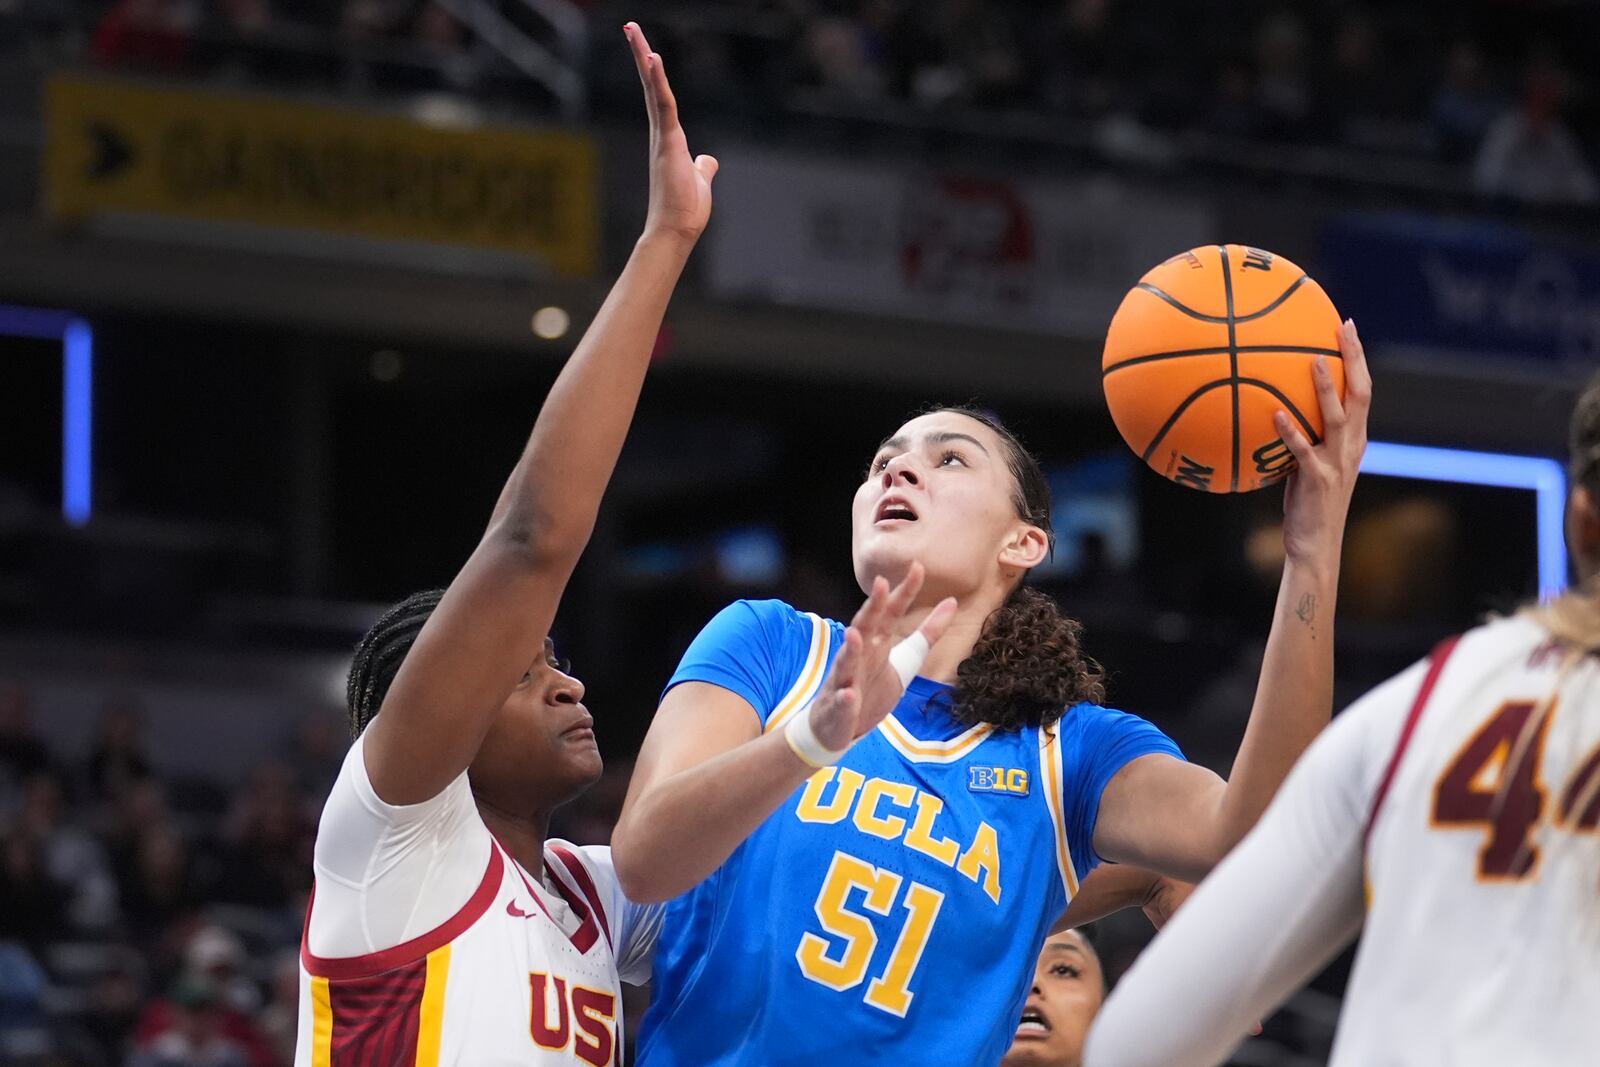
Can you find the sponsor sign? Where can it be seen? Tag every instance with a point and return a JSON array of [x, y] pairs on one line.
[[1048, 256], [127, 148]]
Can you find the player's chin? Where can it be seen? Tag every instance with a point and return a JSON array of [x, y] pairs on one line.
[[1031, 1051], [580, 757], [889, 551]]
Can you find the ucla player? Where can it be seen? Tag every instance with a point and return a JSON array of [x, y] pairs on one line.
[[866, 831], [1454, 813], [445, 929]]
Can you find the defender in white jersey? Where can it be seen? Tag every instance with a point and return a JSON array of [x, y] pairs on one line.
[[1455, 812], [428, 943], [444, 928]]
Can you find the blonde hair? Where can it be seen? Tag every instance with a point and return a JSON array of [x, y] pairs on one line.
[[1573, 618]]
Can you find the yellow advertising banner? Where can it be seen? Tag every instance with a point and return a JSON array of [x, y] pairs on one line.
[[127, 147]]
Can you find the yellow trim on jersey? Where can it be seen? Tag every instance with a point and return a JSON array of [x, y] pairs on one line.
[[430, 1028], [908, 744], [805, 686], [321, 1023], [1050, 764], [916, 749]]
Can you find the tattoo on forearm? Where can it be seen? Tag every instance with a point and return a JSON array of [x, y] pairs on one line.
[[1306, 611]]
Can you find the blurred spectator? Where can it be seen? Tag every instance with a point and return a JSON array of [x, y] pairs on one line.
[[71, 856], [116, 998], [124, 826], [840, 56], [119, 757], [368, 19], [1464, 105], [1283, 83], [436, 27], [318, 752], [1233, 110], [244, 17], [1075, 60], [194, 1033], [279, 1019], [22, 987], [33, 903], [202, 1015], [21, 751], [1360, 97], [437, 30], [161, 887], [322, 14], [268, 858], [970, 54], [155, 34], [1529, 154]]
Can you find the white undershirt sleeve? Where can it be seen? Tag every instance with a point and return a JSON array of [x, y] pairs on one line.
[[1272, 914], [637, 926], [387, 873]]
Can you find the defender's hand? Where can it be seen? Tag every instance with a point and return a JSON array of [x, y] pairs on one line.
[[680, 186], [862, 686]]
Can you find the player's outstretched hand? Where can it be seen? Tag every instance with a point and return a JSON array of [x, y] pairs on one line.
[[680, 186], [1317, 498], [863, 686]]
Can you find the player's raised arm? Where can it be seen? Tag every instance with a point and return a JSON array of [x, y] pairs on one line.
[[492, 620], [1181, 819]]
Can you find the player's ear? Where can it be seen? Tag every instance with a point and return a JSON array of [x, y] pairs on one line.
[[1026, 548], [1583, 530]]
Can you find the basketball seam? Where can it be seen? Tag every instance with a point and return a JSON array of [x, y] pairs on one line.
[[1233, 362], [1179, 305], [1305, 423], [1219, 350], [1173, 419], [1270, 308], [1176, 303]]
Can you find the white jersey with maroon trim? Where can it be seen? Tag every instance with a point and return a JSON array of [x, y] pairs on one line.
[[1452, 817], [504, 969], [1482, 861]]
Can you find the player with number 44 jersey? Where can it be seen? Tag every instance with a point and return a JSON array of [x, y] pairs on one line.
[[1454, 813]]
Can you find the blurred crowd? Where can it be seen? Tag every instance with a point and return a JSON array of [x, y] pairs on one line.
[[1502, 93], [1489, 87], [151, 921]]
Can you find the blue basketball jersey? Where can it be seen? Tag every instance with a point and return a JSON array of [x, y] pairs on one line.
[[891, 910]]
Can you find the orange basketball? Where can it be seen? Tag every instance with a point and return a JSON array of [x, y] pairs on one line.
[[1204, 350]]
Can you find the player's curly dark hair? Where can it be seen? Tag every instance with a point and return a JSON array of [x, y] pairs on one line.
[[380, 653], [1028, 666]]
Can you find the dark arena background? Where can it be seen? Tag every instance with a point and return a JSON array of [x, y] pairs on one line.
[[283, 283]]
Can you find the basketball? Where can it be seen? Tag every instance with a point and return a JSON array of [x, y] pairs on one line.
[[1204, 350]]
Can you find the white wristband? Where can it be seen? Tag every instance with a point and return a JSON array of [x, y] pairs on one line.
[[803, 740], [906, 657]]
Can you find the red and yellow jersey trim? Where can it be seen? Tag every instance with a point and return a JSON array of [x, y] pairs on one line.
[[349, 967]]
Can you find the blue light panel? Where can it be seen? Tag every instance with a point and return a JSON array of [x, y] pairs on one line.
[[77, 398], [1544, 477]]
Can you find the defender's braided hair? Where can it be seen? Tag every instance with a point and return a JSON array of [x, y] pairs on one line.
[[380, 653], [1027, 667]]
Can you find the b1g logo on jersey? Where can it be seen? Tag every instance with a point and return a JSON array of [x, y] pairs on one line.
[[1011, 780], [583, 1018]]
